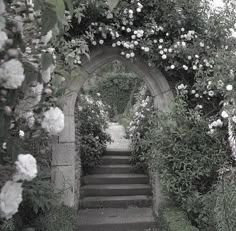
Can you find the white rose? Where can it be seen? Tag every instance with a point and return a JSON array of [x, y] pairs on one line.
[[229, 87], [26, 166], [21, 133], [53, 121], [234, 119], [185, 67], [164, 57], [10, 199], [12, 74], [219, 123], [224, 114]]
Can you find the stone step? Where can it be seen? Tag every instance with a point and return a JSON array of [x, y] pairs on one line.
[[115, 152], [109, 219], [115, 179], [116, 202], [115, 190], [114, 169], [112, 160]]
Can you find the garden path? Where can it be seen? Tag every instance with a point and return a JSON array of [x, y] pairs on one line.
[[114, 196]]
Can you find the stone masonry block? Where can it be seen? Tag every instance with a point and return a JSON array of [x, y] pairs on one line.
[[68, 133], [63, 178], [63, 154]]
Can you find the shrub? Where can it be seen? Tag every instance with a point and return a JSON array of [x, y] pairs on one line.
[[175, 219], [178, 145], [59, 218], [188, 156], [137, 131], [225, 193], [117, 86], [91, 124], [38, 198]]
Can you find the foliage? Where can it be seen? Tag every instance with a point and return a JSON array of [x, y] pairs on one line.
[[58, 218], [7, 225], [91, 124], [116, 84], [173, 218], [192, 144], [38, 198], [187, 156], [137, 130], [116, 89], [225, 200]]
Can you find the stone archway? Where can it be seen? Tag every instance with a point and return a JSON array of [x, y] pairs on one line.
[[64, 153]]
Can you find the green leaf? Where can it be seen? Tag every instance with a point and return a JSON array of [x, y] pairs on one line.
[[112, 4], [49, 18]]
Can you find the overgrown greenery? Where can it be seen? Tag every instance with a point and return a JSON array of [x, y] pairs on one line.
[[59, 218], [116, 85], [91, 117], [179, 146]]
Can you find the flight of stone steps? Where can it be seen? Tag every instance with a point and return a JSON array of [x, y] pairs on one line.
[[113, 196]]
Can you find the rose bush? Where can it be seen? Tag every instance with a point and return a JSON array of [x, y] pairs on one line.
[[91, 120]]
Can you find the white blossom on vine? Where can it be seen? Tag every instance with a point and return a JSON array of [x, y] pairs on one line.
[[12, 74], [26, 167], [10, 199], [53, 121]]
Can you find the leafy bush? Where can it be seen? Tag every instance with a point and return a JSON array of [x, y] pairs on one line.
[[7, 225], [225, 192], [137, 130], [38, 198], [188, 158], [91, 124], [59, 218], [117, 90], [175, 219]]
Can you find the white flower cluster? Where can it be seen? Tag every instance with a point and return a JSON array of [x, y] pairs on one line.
[[11, 192], [140, 7], [182, 89], [53, 121], [11, 74], [103, 114], [139, 110], [26, 167], [10, 199], [188, 36], [215, 124]]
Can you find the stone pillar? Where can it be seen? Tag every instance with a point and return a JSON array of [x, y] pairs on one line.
[[164, 101], [63, 163]]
